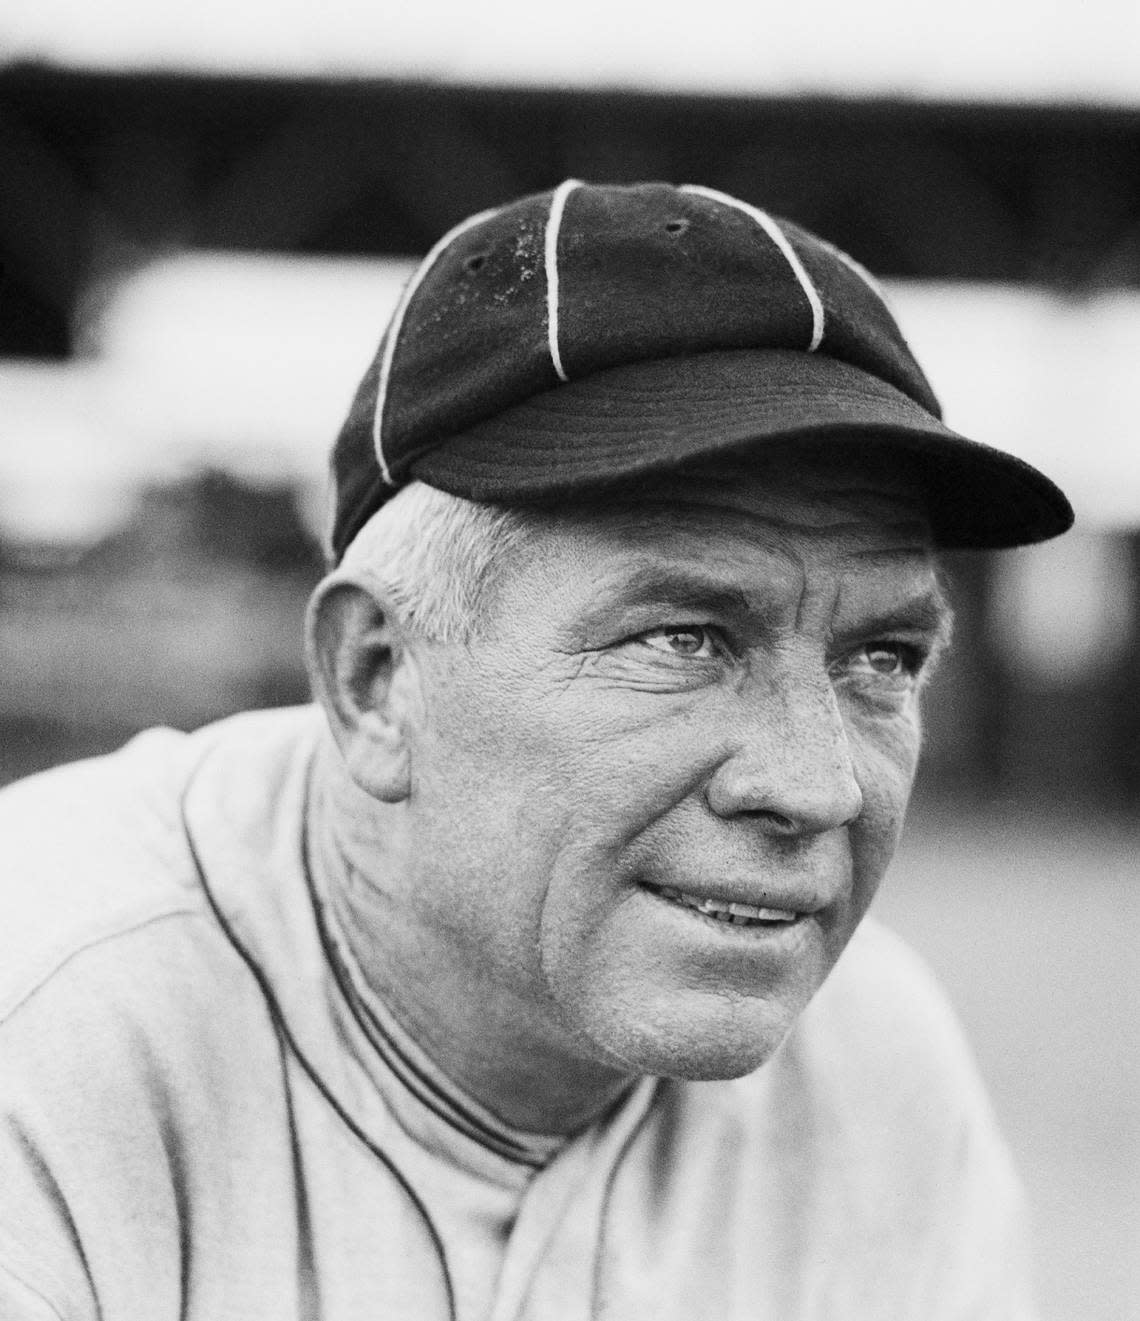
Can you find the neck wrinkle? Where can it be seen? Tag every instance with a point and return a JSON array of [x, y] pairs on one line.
[[357, 871], [351, 941]]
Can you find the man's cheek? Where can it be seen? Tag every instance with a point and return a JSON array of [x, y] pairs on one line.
[[893, 732], [875, 835], [885, 753]]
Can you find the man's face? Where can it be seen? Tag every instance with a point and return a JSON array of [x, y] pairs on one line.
[[652, 801]]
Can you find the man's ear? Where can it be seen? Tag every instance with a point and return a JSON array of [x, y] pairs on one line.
[[360, 667]]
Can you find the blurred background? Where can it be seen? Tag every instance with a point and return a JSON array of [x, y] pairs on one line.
[[208, 212]]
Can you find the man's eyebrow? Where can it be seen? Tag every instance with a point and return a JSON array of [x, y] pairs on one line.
[[692, 587], [927, 612]]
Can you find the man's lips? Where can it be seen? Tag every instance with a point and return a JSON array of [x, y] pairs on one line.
[[737, 912]]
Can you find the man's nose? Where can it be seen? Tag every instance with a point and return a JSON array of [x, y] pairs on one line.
[[790, 766]]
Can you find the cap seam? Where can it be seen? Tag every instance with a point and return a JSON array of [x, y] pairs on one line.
[[784, 245], [391, 341], [550, 253]]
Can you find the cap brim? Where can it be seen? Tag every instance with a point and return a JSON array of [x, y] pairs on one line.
[[653, 416]]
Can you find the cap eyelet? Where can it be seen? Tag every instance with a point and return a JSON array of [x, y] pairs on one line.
[[676, 226], [475, 263]]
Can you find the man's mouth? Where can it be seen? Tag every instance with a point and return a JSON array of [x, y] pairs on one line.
[[726, 910]]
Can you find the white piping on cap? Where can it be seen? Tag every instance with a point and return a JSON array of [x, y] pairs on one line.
[[779, 238], [553, 224], [434, 253]]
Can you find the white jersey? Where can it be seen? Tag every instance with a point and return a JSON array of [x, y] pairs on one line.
[[204, 1114]]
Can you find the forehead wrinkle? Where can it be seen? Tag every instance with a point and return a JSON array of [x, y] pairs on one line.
[[915, 550], [690, 552], [862, 576], [870, 525], [765, 529]]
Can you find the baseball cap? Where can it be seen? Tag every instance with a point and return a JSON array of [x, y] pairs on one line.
[[579, 338]]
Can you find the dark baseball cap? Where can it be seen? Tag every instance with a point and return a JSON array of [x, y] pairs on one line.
[[576, 339]]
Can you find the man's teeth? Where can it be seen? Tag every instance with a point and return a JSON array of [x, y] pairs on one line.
[[725, 911]]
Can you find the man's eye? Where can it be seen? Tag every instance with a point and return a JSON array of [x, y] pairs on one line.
[[888, 661], [682, 640], [897, 661]]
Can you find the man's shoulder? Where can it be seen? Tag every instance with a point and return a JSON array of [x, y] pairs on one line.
[[863, 1158], [878, 1056], [97, 850], [883, 1005], [881, 1038], [873, 1095]]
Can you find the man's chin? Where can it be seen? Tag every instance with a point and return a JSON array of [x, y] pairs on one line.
[[716, 1064], [736, 1045]]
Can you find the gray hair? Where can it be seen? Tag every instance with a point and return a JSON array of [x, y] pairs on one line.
[[434, 558]]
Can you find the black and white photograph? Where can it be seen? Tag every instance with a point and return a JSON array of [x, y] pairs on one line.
[[569, 661]]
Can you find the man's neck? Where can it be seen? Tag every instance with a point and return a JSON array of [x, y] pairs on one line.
[[493, 1045]]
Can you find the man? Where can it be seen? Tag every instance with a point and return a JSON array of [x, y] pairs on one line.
[[508, 984]]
